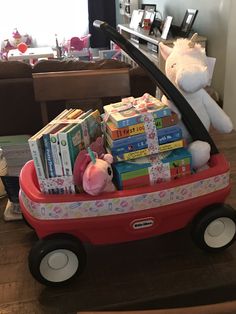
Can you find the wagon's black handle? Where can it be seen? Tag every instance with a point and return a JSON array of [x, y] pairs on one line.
[[190, 118]]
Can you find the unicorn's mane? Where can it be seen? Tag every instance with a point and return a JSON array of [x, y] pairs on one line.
[[182, 44]]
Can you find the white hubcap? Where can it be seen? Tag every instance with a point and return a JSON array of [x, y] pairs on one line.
[[219, 232], [59, 265], [57, 260]]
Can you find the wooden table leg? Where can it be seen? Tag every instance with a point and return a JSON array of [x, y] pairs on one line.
[[44, 112]]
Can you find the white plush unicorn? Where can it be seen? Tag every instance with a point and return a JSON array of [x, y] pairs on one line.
[[187, 68]]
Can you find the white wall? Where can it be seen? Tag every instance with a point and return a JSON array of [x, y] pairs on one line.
[[119, 19], [230, 84], [212, 22]]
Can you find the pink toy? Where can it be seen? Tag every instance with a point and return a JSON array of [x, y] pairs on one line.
[[93, 173], [22, 47], [78, 44]]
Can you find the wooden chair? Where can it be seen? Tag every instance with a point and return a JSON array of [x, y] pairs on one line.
[[79, 85]]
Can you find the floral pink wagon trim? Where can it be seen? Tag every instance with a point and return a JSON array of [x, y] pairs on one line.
[[114, 206]]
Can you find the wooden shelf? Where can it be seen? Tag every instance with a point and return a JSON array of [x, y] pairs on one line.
[[153, 56], [142, 38]]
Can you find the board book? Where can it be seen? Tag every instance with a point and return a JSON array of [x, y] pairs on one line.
[[146, 151], [132, 111], [136, 142], [40, 147], [77, 137], [152, 169], [117, 133]]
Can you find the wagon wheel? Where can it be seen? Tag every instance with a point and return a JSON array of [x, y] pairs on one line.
[[57, 260], [215, 228]]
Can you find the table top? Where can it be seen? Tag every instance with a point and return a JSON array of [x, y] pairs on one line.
[[159, 272], [30, 53]]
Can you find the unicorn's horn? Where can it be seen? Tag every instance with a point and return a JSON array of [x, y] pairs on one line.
[[192, 41], [92, 155]]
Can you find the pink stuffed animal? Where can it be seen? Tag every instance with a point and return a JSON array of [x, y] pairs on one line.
[[93, 173]]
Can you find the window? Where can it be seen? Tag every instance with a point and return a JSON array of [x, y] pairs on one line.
[[44, 19]]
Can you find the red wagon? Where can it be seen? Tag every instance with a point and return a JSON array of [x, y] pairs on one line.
[[64, 222]]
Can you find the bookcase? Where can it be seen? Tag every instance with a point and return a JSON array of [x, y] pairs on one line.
[[148, 44]]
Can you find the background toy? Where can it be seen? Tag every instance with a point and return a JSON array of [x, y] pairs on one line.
[[21, 42], [17, 38], [22, 47], [187, 68], [93, 173]]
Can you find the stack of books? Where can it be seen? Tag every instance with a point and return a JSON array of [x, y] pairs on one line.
[[152, 169], [55, 148], [143, 127]]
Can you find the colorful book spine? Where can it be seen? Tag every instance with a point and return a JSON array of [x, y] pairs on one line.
[[118, 133], [56, 155], [65, 152], [37, 153], [150, 170], [45, 150], [63, 138], [72, 114], [93, 123], [56, 152], [50, 146], [78, 137], [36, 146], [75, 141], [66, 162], [140, 141], [146, 152], [48, 155], [134, 180]]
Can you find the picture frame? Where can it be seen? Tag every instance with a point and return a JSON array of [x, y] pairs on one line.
[[136, 18], [148, 14], [148, 7], [166, 27], [156, 27], [187, 23]]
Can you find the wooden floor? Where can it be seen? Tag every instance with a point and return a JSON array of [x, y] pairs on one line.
[[166, 271]]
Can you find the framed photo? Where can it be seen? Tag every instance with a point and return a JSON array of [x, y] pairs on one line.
[[156, 27], [166, 27], [136, 18], [148, 7], [187, 23], [148, 15]]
